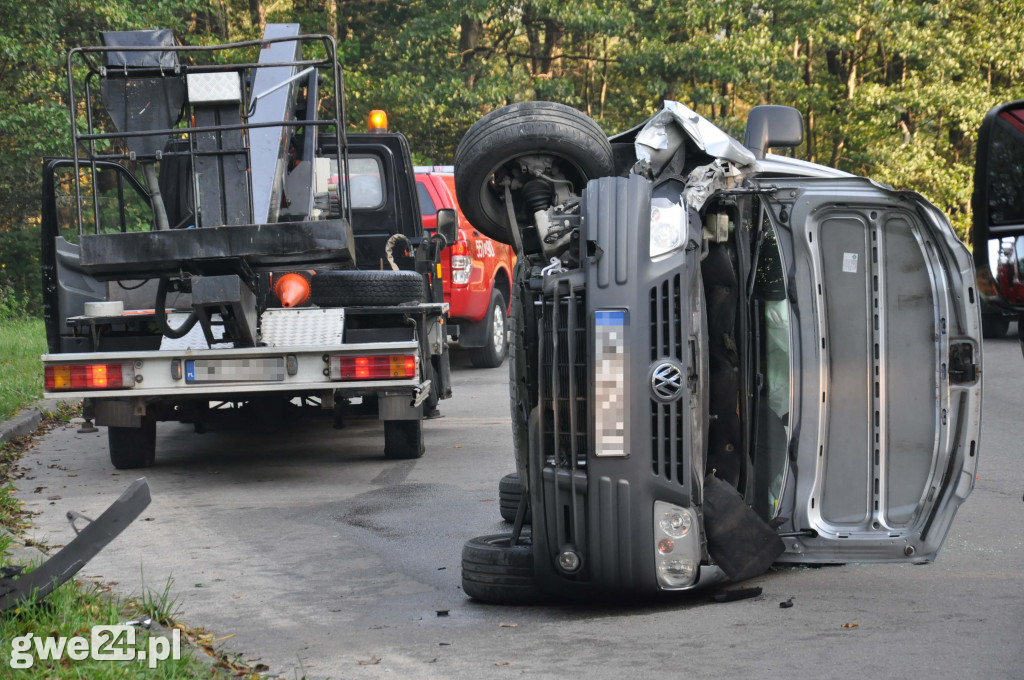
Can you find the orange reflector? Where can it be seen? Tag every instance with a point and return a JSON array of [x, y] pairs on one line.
[[292, 289], [379, 367], [88, 377], [378, 120]]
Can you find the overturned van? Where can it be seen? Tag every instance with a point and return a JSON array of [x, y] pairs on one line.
[[721, 358]]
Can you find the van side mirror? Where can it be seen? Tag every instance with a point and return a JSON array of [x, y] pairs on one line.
[[773, 126], [448, 224]]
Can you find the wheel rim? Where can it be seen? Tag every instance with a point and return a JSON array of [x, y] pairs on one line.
[[492, 196], [498, 330]]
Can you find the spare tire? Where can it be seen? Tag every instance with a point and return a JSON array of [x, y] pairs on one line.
[[365, 288], [488, 153]]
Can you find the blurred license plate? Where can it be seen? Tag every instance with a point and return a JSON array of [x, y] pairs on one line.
[[234, 370]]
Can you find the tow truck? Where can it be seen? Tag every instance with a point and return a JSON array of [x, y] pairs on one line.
[[219, 249]]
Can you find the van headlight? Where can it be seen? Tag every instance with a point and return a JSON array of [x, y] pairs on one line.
[[676, 545], [668, 227]]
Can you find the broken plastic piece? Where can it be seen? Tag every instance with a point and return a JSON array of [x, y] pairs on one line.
[[91, 539]]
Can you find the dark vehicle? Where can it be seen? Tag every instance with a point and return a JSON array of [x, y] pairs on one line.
[[997, 232], [218, 250], [721, 359]]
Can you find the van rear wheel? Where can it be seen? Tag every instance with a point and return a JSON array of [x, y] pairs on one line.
[[497, 572]]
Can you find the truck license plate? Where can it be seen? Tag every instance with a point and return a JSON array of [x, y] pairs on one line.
[[234, 370]]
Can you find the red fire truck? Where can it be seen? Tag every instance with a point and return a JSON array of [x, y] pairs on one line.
[[476, 273]]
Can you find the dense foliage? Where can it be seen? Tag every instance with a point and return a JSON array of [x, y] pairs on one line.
[[891, 89]]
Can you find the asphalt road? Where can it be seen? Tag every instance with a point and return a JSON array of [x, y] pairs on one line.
[[317, 554]]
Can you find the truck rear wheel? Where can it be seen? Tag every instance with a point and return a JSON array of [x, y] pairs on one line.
[[510, 493], [403, 439], [495, 571], [493, 352], [502, 142], [133, 447], [368, 288]]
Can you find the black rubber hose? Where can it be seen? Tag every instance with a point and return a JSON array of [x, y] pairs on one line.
[[161, 314]]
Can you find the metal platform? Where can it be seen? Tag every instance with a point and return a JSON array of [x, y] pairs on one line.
[[217, 250]]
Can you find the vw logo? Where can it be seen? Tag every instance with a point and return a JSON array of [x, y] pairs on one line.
[[666, 382]]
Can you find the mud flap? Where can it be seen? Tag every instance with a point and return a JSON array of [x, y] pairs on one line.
[[740, 542], [87, 544]]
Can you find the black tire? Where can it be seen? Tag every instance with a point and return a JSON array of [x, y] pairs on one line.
[[403, 439], [365, 288], [133, 447], [510, 492], [493, 353], [494, 571], [488, 150], [994, 325]]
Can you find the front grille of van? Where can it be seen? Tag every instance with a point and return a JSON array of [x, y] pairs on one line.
[[667, 340], [563, 377]]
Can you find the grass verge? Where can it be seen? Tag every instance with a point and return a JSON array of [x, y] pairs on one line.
[[76, 606], [22, 340]]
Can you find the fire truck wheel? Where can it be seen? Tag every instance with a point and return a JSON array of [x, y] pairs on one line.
[[133, 447], [493, 353], [510, 491], [365, 288], [499, 573], [517, 142], [403, 439]]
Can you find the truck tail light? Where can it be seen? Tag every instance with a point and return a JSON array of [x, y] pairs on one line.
[[89, 377], [462, 263], [377, 367]]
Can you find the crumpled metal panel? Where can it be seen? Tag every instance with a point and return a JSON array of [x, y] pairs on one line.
[[703, 132]]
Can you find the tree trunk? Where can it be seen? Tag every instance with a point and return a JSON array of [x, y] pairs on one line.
[[812, 142], [258, 15], [469, 39], [331, 10]]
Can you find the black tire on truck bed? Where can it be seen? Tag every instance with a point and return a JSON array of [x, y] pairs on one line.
[[365, 288], [578, 144]]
